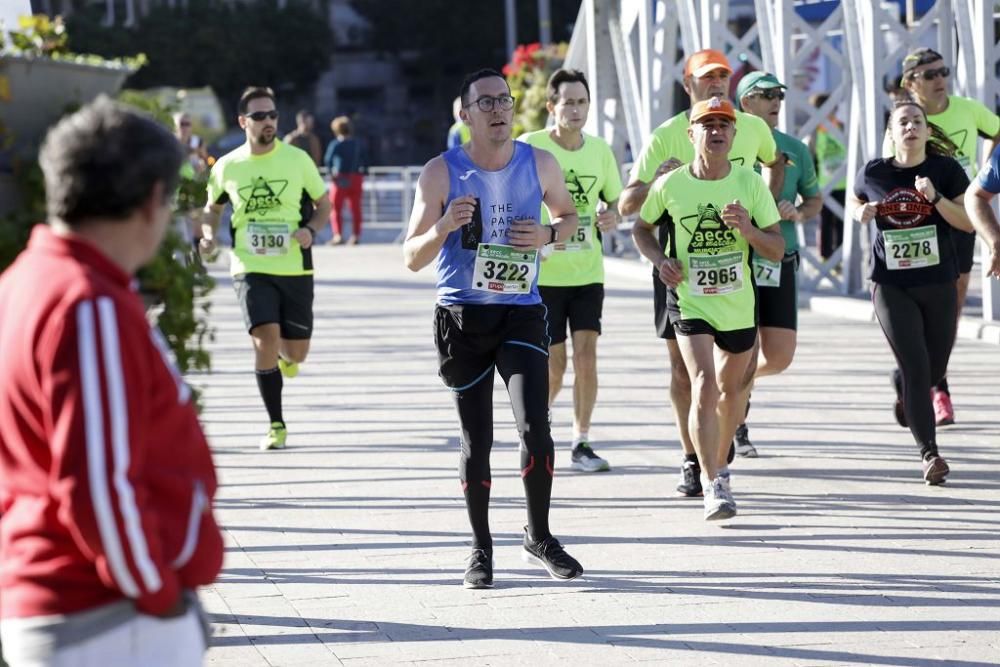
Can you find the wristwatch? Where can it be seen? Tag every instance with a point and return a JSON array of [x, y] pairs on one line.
[[937, 198], [553, 234]]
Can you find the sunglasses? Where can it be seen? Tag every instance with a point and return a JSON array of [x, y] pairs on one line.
[[931, 74], [770, 94], [261, 115], [185, 123]]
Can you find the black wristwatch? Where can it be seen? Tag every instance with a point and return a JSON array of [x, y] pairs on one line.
[[553, 234], [937, 198]]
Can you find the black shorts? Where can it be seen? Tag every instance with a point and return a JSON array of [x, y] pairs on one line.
[[283, 300], [581, 305], [779, 306], [735, 342], [965, 247], [469, 336], [661, 316]]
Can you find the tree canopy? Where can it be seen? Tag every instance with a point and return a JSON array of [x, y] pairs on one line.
[[222, 45]]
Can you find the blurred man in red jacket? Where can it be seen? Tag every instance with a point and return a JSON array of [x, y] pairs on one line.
[[106, 480]]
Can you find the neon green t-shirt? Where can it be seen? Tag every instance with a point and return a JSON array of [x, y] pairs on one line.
[[830, 154], [266, 193], [753, 142], [963, 121], [715, 259], [592, 175], [800, 179]]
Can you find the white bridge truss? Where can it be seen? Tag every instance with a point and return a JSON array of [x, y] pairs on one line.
[[633, 52]]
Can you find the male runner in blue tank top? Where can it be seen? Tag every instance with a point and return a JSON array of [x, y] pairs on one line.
[[475, 213]]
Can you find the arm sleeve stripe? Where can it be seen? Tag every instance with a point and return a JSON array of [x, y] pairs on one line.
[[100, 495], [118, 404]]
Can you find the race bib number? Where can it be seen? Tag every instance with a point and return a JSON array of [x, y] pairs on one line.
[[911, 248], [581, 240], [766, 272], [714, 275], [504, 269], [268, 238]]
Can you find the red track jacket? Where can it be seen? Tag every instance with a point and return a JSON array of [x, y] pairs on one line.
[[106, 480]]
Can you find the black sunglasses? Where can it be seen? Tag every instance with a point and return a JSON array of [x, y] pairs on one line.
[[931, 74], [770, 93], [261, 115]]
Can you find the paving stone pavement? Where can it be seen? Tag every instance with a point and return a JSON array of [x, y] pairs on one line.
[[348, 548]]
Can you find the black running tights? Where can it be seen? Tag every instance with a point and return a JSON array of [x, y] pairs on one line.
[[919, 323], [526, 373]]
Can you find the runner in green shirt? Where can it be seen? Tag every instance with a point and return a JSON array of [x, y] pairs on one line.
[[706, 76], [964, 120], [760, 94], [571, 279], [268, 184], [715, 213]]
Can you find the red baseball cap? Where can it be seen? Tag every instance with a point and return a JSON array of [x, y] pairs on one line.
[[702, 62]]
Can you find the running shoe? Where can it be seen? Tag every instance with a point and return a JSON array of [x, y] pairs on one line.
[[690, 484], [586, 460], [944, 413], [897, 408], [744, 447], [549, 554], [935, 470], [275, 438], [479, 572], [288, 368], [719, 503], [727, 479]]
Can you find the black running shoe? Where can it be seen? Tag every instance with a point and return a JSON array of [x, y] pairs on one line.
[[549, 554], [479, 573], [744, 447], [690, 484]]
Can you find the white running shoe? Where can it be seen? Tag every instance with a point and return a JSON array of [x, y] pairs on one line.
[[719, 503]]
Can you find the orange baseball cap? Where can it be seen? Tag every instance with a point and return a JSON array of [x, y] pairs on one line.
[[702, 62], [712, 107]]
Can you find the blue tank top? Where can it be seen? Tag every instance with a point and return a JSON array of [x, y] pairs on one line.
[[511, 193]]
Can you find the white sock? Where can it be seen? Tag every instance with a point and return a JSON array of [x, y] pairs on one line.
[[582, 436]]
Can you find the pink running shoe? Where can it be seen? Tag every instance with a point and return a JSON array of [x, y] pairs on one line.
[[944, 413]]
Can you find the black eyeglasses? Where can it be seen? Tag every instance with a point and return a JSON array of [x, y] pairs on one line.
[[931, 74], [505, 102], [770, 93], [261, 115]]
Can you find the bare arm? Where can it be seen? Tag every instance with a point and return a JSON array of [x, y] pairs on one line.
[[668, 269], [562, 211], [321, 213], [774, 176], [810, 207], [210, 216], [428, 228], [634, 195], [768, 242], [953, 211], [980, 212]]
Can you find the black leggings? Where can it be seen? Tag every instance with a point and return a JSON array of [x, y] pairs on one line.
[[919, 323], [525, 371]]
